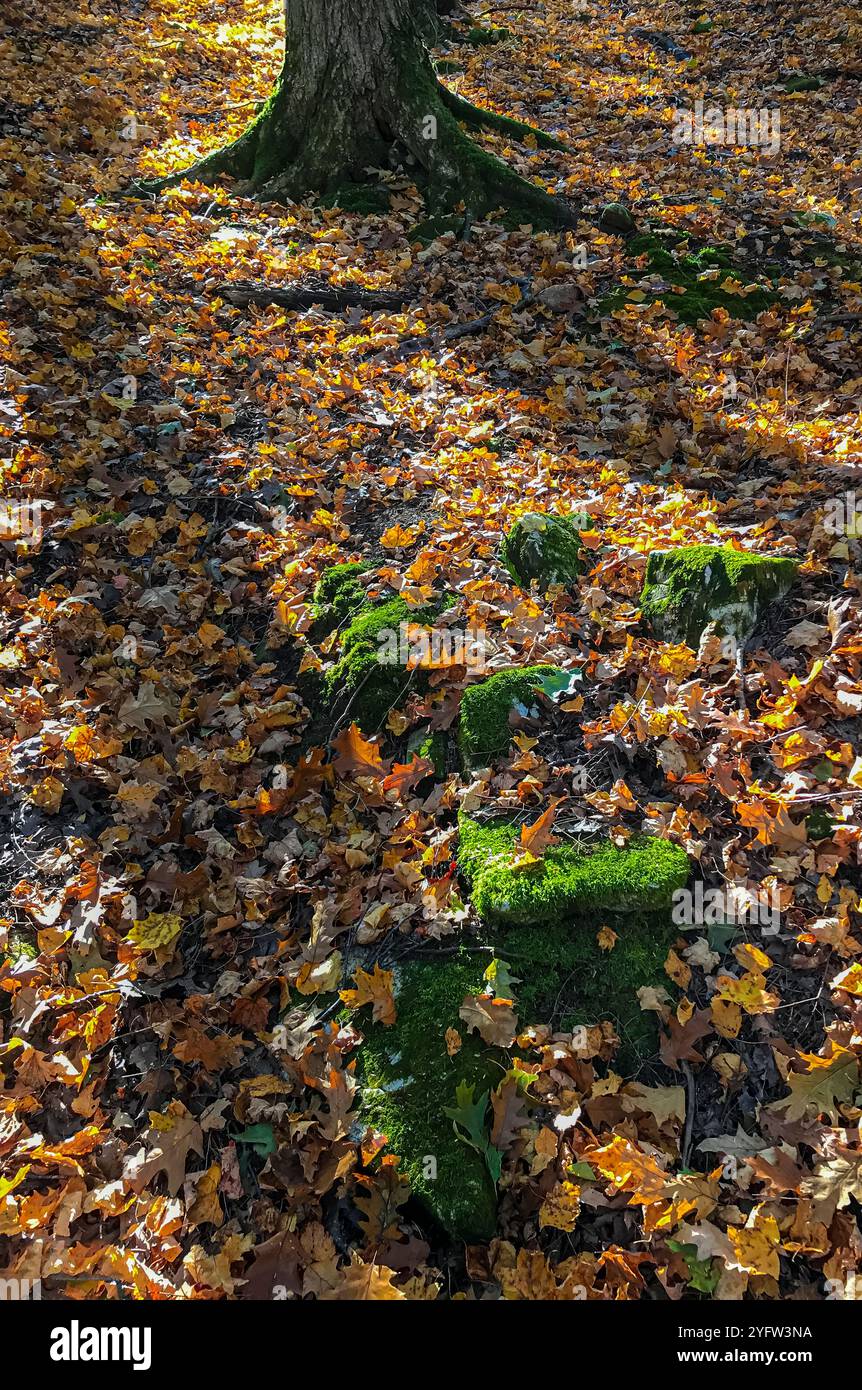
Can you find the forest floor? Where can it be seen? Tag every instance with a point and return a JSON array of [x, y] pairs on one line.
[[188, 873]]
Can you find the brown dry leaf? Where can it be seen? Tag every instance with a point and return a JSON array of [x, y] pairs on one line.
[[363, 1282], [493, 1019], [356, 754]]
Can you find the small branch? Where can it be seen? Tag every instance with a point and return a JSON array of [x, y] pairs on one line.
[[663, 42], [690, 1099], [242, 294]]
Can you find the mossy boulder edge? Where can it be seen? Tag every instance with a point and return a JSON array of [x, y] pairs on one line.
[[409, 1079], [690, 587], [569, 880], [362, 679], [484, 732]]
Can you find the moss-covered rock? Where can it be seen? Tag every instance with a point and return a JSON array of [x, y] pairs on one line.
[[366, 673], [803, 83], [544, 547], [688, 588], [616, 217], [409, 1081], [697, 279], [338, 594], [436, 747], [484, 732], [563, 975], [370, 673], [568, 980], [483, 38], [569, 880]]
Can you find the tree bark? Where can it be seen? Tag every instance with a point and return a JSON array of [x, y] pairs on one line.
[[357, 92]]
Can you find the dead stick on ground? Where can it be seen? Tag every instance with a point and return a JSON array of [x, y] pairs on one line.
[[242, 295]]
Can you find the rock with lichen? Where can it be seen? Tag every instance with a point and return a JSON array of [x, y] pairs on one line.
[[544, 547], [687, 589]]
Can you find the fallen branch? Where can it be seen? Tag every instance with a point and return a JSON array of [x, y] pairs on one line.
[[242, 294], [663, 42]]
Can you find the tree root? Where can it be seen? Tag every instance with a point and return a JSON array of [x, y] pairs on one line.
[[479, 118], [452, 169]]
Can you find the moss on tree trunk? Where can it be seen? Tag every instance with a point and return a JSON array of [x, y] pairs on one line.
[[357, 92]]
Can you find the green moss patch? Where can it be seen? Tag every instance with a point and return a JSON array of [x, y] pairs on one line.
[[803, 84], [544, 547], [409, 1081], [369, 673], [569, 880], [338, 595], [687, 588], [362, 675], [695, 279], [483, 38], [485, 732], [568, 980]]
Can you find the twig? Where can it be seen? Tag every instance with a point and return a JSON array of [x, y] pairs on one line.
[[689, 1113]]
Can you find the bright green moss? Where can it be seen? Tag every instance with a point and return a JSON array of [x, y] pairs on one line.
[[409, 1079], [569, 879], [362, 675], [338, 594], [687, 588], [545, 548], [567, 979], [436, 747], [485, 732], [699, 274]]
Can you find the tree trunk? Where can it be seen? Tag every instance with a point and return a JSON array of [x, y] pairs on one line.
[[358, 92]]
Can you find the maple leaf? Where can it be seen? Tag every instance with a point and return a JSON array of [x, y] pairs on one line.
[[157, 932], [677, 1045], [356, 754], [538, 837], [404, 776], [204, 1207], [172, 1136], [826, 1082], [365, 1283], [493, 1019], [749, 992], [146, 708], [376, 989], [755, 1246], [561, 1207]]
